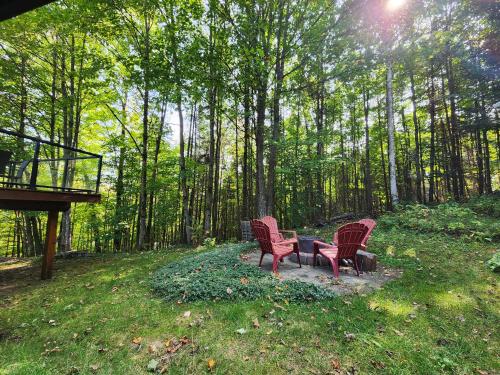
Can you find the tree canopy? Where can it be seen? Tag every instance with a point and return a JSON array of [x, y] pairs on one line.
[[209, 113]]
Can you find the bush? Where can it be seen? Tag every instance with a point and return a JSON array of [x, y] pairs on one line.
[[221, 275], [486, 204], [494, 263], [451, 218]]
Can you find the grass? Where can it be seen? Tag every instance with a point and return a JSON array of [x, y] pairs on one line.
[[439, 317]]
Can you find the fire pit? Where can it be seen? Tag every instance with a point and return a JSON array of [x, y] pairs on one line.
[[306, 249]]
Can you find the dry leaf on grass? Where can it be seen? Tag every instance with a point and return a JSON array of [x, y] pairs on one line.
[[211, 364], [335, 364], [186, 314], [256, 323]]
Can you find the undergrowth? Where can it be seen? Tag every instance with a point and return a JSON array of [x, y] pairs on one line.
[[450, 218], [221, 275]]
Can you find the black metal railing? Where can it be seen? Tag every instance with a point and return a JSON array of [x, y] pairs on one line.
[[32, 163]]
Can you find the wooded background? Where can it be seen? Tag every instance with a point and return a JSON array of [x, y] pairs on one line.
[[208, 112]]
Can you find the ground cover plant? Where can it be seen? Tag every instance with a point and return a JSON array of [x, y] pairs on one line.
[[221, 274], [101, 316]]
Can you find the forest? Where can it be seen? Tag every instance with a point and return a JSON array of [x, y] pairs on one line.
[[208, 113]]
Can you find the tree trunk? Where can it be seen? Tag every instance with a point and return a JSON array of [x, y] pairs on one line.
[[368, 177], [391, 136], [141, 234], [417, 140], [432, 157]]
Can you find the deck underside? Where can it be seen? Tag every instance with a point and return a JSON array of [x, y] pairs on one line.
[[29, 200]]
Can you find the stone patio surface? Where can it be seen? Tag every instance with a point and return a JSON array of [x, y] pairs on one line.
[[347, 283]]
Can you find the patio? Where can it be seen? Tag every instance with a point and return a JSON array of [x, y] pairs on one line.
[[348, 283]]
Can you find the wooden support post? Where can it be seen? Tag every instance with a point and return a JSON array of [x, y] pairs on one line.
[[50, 245]]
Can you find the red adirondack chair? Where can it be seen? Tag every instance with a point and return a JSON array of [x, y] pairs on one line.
[[369, 223], [276, 233], [278, 250], [350, 238]]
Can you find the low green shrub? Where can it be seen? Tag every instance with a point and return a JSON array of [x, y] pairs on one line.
[[486, 204], [451, 218], [494, 263], [221, 275]]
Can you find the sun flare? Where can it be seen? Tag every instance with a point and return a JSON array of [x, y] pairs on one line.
[[393, 5]]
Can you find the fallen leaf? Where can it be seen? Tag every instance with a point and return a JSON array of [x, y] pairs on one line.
[[187, 314], [241, 331], [137, 340], [279, 307], [399, 333], [155, 347], [229, 291], [211, 364], [244, 281], [482, 372], [256, 323], [335, 364], [94, 368], [153, 365], [56, 349]]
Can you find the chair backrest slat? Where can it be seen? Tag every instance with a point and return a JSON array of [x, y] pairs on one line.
[[272, 224], [262, 234], [371, 224], [350, 237]]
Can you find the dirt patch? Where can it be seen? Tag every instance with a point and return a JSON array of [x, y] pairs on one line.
[[18, 274], [347, 283]]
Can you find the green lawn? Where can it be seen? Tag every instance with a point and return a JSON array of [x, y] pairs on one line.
[[439, 317]]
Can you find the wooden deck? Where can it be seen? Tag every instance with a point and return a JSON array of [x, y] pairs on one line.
[[53, 202], [37, 200]]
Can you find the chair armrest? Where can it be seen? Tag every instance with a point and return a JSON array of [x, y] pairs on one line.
[[323, 245], [294, 233], [362, 247]]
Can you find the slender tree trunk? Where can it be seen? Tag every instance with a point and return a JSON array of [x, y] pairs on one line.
[[417, 139], [487, 163], [368, 177], [391, 135], [245, 215], [432, 157], [259, 146], [118, 231], [212, 102], [141, 234]]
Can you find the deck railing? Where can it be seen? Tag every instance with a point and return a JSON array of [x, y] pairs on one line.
[[32, 163]]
